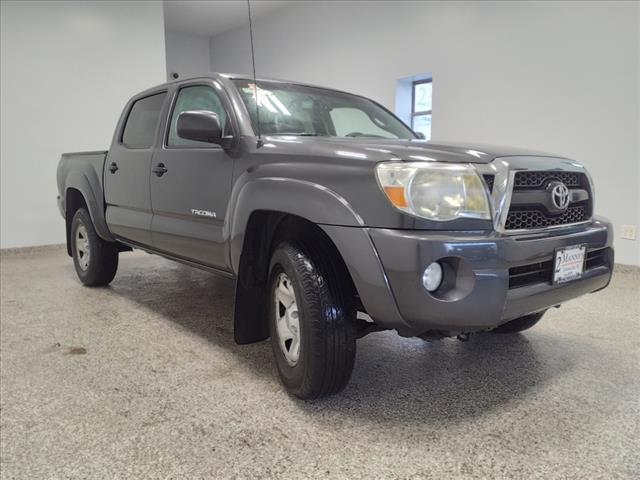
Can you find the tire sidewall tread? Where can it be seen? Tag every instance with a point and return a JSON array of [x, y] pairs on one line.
[[327, 351], [103, 260]]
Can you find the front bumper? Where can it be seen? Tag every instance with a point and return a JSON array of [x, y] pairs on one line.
[[480, 296]]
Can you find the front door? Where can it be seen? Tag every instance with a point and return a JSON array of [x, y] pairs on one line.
[[127, 169], [190, 185]]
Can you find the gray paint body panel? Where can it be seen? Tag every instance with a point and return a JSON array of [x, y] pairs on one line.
[[83, 172], [330, 182], [484, 299]]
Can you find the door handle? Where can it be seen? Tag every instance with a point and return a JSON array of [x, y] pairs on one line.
[[113, 168], [159, 169]]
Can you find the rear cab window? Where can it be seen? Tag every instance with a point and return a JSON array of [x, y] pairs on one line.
[[142, 121]]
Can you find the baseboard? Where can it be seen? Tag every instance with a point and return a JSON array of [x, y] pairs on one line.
[[624, 268], [37, 249]]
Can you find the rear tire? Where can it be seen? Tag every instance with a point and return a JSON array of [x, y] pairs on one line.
[[95, 260], [311, 322], [519, 324]]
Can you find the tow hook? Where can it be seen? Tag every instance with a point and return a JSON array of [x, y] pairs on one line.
[[464, 336]]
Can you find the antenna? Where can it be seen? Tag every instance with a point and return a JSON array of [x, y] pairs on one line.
[[255, 80]]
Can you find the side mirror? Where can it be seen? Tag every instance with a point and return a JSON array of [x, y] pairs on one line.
[[200, 125], [420, 135]]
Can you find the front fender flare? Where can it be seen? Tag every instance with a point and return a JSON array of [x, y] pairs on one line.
[[340, 222], [304, 199]]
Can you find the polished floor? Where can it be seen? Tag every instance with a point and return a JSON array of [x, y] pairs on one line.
[[143, 380]]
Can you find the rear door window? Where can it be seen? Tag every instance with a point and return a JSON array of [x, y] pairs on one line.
[[142, 122]]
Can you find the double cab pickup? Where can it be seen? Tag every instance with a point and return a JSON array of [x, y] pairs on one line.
[[334, 219]]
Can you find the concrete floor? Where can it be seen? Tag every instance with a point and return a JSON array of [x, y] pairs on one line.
[[143, 379]]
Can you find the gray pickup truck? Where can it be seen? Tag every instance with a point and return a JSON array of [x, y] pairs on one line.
[[334, 218]]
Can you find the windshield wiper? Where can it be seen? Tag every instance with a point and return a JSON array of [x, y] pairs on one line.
[[363, 135]]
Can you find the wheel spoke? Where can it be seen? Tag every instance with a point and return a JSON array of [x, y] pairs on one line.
[[82, 247], [294, 350], [284, 332], [287, 321], [284, 295]]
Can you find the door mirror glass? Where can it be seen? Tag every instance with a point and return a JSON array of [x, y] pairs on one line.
[[200, 126]]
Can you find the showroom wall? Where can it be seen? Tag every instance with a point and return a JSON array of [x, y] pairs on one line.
[[555, 76], [187, 55], [67, 70]]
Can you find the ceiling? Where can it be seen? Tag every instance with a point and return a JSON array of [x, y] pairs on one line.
[[213, 17]]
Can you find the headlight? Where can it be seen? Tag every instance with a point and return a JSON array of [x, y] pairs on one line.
[[436, 191]]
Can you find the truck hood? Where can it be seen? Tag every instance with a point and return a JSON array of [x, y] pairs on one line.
[[385, 149]]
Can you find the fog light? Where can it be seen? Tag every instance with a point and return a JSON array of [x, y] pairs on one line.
[[432, 277]]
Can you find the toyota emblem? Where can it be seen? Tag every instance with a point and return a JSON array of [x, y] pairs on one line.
[[560, 196]]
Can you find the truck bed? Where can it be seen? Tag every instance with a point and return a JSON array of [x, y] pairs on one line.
[[93, 159]]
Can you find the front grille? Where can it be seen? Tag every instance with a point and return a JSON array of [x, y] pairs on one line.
[[531, 206], [539, 179], [542, 272], [519, 219]]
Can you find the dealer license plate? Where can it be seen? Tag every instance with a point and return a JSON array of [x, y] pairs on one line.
[[569, 263]]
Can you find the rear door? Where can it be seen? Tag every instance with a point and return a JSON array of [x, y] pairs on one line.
[[127, 170], [191, 184]]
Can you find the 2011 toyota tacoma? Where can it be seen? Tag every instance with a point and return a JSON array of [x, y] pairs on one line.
[[334, 218]]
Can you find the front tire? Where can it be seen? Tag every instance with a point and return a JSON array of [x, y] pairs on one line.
[[311, 323], [95, 260], [519, 324]]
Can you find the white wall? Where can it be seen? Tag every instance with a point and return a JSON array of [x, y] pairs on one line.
[[67, 70], [555, 76], [188, 55]]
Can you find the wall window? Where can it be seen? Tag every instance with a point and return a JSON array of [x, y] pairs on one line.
[[421, 107]]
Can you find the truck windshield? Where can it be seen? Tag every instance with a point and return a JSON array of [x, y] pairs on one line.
[[289, 109]]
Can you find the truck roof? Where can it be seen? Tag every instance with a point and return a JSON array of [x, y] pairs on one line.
[[240, 76]]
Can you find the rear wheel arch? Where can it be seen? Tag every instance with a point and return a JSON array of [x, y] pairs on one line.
[[75, 199], [266, 229]]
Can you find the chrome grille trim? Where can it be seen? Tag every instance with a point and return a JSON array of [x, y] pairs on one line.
[[504, 169]]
